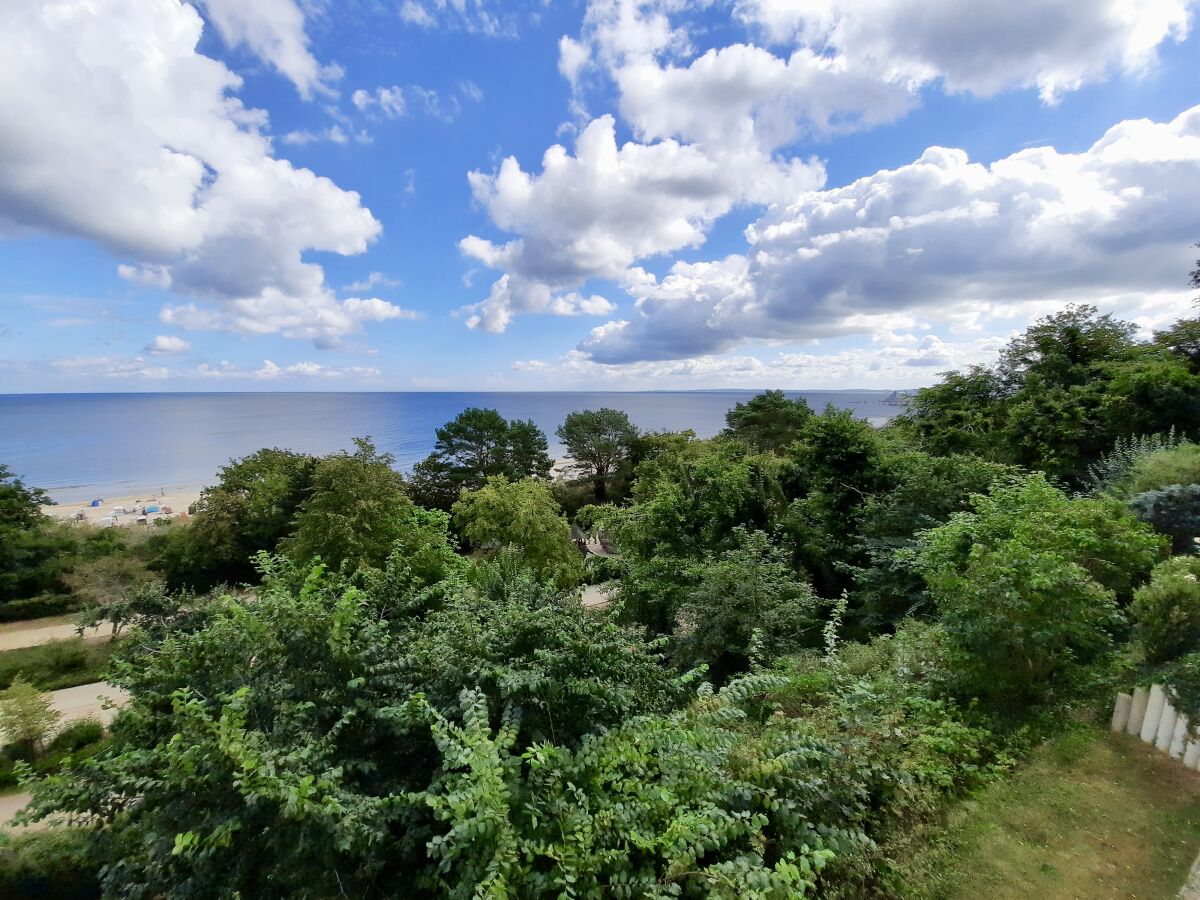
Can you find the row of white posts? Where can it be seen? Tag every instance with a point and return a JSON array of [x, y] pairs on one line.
[[1151, 716]]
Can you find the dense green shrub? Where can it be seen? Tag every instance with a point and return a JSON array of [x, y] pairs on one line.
[[1167, 610], [50, 865], [747, 603], [1026, 586]]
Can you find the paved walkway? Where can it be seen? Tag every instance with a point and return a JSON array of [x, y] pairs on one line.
[[84, 702], [598, 596], [31, 633]]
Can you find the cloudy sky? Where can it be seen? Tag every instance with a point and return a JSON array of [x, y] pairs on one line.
[[547, 194]]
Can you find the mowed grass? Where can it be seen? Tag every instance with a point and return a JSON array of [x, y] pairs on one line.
[[1088, 816]]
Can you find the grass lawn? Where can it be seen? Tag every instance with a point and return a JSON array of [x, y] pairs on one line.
[[1088, 816], [56, 664]]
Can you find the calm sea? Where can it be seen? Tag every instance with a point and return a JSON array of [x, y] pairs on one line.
[[82, 445]]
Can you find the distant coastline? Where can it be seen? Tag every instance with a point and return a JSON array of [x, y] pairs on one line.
[[83, 446]]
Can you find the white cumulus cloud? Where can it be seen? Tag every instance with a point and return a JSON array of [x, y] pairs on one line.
[[592, 215], [115, 129], [956, 240], [274, 31], [164, 344]]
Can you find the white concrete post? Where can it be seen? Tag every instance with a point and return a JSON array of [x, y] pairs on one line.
[[1137, 712], [1191, 757], [1154, 708], [1166, 727], [1179, 738], [1120, 717]]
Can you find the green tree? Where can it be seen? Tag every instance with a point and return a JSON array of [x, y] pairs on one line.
[[768, 422], [958, 415], [355, 511], [598, 441], [474, 446], [1026, 584], [521, 514], [1183, 339], [747, 602], [27, 716], [687, 498], [926, 491], [1167, 610], [838, 464], [34, 552], [251, 508]]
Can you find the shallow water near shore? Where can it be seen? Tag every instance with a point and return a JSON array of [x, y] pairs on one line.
[[82, 445]]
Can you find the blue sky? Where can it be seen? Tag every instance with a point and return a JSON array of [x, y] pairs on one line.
[[312, 195]]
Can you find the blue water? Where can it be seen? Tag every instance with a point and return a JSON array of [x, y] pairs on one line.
[[78, 446]]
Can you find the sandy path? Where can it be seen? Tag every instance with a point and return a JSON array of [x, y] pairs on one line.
[[10, 805], [16, 635], [75, 703], [597, 596], [83, 702]]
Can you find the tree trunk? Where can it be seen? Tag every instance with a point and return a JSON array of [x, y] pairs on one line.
[[600, 488]]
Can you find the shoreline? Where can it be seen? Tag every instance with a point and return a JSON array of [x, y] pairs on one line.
[[167, 501]]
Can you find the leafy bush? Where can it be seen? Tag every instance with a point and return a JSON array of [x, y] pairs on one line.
[[747, 603], [1127, 463], [1175, 465], [1026, 587], [523, 515], [50, 865], [1167, 610], [39, 607], [79, 734]]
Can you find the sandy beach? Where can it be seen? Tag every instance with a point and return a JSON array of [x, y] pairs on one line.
[[176, 499]]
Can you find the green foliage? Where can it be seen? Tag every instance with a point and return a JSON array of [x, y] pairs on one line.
[[1167, 610], [273, 749], [49, 865], [688, 497], [1178, 464], [250, 508], [927, 491], [521, 514], [747, 603], [767, 423], [1110, 473], [560, 672], [475, 446], [26, 715], [1183, 339], [1026, 586], [55, 664], [957, 415], [355, 510], [1062, 394], [674, 807], [34, 552], [837, 465], [598, 441]]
